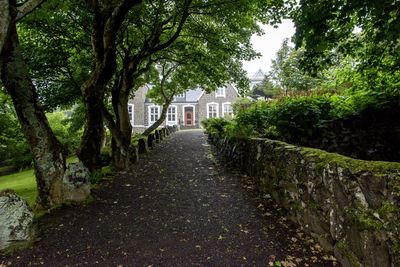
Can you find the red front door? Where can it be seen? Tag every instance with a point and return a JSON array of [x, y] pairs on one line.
[[188, 118]]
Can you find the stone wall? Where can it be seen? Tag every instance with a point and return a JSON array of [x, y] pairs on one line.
[[351, 206]]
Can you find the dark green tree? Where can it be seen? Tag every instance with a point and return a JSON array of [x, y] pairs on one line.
[[222, 28], [47, 152], [287, 73], [365, 29]]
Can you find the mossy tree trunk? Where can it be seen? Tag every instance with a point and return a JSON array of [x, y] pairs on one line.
[[108, 18], [47, 152], [120, 147], [134, 64]]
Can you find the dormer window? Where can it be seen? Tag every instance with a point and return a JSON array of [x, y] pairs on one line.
[[220, 92]]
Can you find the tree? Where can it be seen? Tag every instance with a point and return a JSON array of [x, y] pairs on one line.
[[222, 26], [373, 26], [136, 37], [108, 18], [164, 90], [56, 45], [286, 71], [267, 89], [47, 152]]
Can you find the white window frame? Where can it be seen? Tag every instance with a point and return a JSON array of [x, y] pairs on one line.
[[133, 113], [194, 114], [208, 109], [223, 92], [149, 113], [175, 122], [223, 108]]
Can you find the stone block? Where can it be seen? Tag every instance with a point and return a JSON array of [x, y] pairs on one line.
[[133, 154], [143, 146], [76, 184], [157, 136], [150, 140], [16, 220]]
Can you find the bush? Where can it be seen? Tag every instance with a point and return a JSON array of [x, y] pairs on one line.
[[256, 120], [215, 126], [297, 118], [294, 119]]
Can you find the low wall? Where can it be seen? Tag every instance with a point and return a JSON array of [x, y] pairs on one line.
[[351, 206]]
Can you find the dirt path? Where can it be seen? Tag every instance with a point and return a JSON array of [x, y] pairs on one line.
[[176, 207]]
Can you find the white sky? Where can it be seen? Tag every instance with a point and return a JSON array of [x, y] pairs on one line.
[[268, 44]]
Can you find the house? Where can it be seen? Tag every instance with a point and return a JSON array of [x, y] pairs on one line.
[[186, 110], [257, 78]]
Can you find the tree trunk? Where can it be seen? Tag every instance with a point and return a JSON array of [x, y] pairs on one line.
[[120, 147], [159, 121], [47, 152], [108, 18], [89, 150]]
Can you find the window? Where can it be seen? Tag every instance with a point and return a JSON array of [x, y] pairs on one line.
[[227, 109], [212, 110], [171, 115], [154, 114], [130, 113], [220, 92]]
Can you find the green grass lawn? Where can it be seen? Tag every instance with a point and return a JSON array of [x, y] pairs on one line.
[[23, 183]]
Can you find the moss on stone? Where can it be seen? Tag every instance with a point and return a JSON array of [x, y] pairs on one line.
[[350, 256], [356, 165], [387, 209], [364, 219]]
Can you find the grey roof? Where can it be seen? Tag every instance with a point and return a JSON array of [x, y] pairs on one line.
[[258, 76], [192, 95]]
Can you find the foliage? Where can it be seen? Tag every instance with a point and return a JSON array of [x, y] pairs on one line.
[[13, 147], [293, 118], [61, 126], [296, 118], [256, 120], [97, 175], [215, 125], [367, 30], [135, 138], [286, 72], [267, 90], [58, 51]]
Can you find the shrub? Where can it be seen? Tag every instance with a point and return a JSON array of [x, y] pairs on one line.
[[215, 125], [256, 120], [297, 118]]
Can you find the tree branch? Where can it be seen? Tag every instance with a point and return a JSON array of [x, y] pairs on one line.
[[27, 8]]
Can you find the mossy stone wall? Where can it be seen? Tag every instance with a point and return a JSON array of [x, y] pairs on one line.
[[351, 206]]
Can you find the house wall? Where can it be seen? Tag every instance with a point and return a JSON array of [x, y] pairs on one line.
[[230, 96], [141, 108], [139, 112], [181, 114]]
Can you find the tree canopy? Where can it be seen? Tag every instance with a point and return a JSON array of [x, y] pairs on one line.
[[366, 29]]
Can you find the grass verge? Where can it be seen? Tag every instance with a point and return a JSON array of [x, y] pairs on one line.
[[24, 183]]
